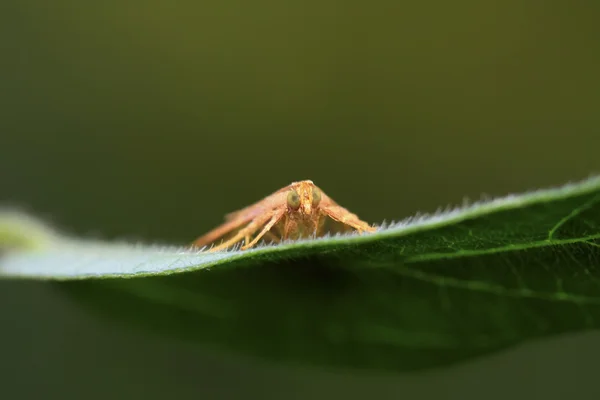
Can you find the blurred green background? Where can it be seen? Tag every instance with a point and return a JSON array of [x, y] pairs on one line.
[[149, 120]]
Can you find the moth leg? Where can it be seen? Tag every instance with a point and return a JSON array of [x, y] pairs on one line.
[[288, 227], [220, 231], [266, 229], [319, 224], [272, 236], [267, 235], [243, 233], [344, 216]]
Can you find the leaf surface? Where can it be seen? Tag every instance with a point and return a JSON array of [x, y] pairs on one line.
[[426, 292]]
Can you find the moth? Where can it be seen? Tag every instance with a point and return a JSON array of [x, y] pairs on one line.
[[298, 210]]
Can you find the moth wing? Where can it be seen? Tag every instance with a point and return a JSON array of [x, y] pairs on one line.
[[272, 198]]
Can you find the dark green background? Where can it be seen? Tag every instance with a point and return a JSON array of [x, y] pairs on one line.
[[149, 120]]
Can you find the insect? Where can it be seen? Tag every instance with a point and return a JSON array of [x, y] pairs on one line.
[[296, 211]]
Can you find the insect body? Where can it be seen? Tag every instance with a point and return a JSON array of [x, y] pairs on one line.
[[296, 211]]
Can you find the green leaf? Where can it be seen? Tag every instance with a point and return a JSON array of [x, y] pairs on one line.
[[426, 292]]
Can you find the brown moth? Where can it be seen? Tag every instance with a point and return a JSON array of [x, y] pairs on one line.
[[296, 211]]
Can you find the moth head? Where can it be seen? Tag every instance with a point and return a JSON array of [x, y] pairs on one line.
[[304, 197]]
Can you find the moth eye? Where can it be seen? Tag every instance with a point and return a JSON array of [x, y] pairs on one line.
[[293, 199], [316, 194]]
